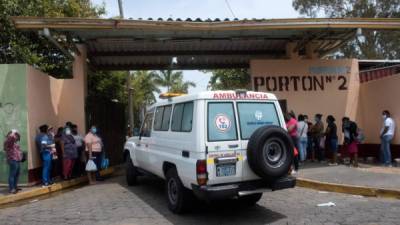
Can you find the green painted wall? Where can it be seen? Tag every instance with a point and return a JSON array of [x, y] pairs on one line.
[[13, 113]]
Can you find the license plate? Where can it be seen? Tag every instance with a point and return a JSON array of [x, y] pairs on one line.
[[225, 170]]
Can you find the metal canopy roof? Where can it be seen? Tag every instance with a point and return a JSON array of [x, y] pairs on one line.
[[139, 44]]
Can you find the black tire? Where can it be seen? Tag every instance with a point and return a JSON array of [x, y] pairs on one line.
[[270, 152], [250, 200], [131, 173], [179, 198]]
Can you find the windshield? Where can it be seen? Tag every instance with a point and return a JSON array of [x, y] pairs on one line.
[[253, 115]]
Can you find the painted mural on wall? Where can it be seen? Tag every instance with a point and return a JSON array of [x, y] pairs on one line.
[[13, 112]]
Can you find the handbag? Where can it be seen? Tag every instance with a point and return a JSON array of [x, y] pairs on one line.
[[91, 166], [105, 162], [322, 143], [23, 157]]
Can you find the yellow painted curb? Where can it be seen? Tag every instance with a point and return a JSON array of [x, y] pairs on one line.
[[348, 189], [50, 189]]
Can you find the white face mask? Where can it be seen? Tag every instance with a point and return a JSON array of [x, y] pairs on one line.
[[68, 132]]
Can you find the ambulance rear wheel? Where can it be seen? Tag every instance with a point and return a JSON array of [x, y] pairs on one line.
[[270, 152]]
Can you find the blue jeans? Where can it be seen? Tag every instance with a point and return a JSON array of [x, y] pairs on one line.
[[46, 170], [386, 156], [303, 148], [334, 145], [13, 174]]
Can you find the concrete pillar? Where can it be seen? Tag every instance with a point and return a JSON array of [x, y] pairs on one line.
[[71, 105], [310, 51]]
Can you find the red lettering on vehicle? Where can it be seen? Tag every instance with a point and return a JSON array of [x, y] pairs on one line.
[[224, 95]]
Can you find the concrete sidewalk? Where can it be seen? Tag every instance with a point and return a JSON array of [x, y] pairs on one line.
[[35, 191], [370, 176], [366, 180]]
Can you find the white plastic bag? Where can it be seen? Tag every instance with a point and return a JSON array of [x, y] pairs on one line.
[[91, 166]]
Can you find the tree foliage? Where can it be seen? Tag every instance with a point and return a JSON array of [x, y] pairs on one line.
[[144, 89], [229, 79], [173, 81], [28, 47], [108, 85], [374, 44]]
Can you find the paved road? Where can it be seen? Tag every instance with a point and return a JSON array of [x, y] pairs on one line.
[[112, 202]]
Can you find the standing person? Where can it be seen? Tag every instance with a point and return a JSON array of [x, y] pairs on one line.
[[14, 157], [79, 166], [54, 155], [45, 147], [94, 147], [58, 163], [309, 138], [350, 133], [317, 132], [291, 125], [387, 133], [302, 129], [331, 139], [70, 152]]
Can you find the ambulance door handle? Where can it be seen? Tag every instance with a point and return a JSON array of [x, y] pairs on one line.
[[233, 146]]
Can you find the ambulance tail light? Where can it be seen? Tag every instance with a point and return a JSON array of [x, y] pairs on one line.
[[201, 172]]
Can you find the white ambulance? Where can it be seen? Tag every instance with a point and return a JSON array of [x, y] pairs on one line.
[[213, 145]]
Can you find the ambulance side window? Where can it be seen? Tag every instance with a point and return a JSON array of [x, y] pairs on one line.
[[146, 128], [182, 117], [221, 122]]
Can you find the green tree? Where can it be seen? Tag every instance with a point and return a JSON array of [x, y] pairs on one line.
[[173, 81], [144, 89], [374, 44], [29, 47], [108, 85], [229, 79]]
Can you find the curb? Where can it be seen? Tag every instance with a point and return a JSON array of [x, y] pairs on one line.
[[24, 195], [348, 189]]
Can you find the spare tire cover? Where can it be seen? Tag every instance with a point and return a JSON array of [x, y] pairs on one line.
[[270, 152]]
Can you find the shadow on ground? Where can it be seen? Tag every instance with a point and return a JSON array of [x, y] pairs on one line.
[[151, 191]]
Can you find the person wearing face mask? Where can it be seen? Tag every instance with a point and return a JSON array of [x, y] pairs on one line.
[[14, 158], [70, 152], [302, 130], [94, 147], [386, 135], [45, 146]]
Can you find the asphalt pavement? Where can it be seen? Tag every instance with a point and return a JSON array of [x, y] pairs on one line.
[[112, 202]]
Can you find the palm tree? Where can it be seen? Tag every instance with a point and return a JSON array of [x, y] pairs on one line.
[[182, 87], [143, 83], [173, 81]]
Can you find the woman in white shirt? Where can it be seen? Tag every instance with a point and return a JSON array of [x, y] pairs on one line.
[[302, 128]]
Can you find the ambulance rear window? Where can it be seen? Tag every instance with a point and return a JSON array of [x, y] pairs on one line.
[[221, 122], [253, 115]]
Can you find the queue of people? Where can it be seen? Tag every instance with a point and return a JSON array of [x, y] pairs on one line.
[[315, 140], [68, 151]]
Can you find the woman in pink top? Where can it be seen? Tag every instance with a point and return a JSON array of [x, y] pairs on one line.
[[94, 147], [291, 126]]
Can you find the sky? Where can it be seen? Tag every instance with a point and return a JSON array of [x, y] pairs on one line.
[[269, 9]]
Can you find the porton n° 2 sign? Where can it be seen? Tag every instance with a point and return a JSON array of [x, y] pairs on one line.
[[316, 78]]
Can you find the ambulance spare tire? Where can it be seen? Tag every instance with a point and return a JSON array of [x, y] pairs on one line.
[[270, 152]]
